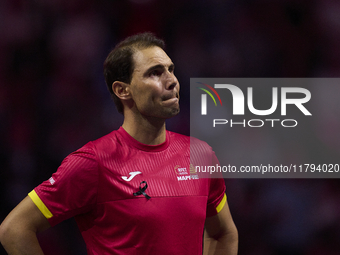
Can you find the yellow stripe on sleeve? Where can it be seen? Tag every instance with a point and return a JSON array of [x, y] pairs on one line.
[[42, 207], [221, 204]]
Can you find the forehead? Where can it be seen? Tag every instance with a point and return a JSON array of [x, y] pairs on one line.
[[149, 57]]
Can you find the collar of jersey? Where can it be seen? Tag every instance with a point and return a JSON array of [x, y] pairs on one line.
[[141, 146]]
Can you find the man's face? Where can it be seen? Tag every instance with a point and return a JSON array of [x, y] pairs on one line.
[[154, 87]]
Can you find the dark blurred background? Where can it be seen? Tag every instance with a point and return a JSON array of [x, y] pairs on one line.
[[53, 98]]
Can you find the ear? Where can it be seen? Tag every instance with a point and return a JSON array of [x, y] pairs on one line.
[[121, 89]]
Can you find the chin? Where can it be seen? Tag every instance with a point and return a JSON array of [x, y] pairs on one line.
[[163, 114], [173, 113]]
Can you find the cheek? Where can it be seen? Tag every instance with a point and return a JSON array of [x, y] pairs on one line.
[[144, 99], [150, 94], [146, 93]]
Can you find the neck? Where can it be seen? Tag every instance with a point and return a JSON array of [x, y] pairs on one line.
[[149, 131]]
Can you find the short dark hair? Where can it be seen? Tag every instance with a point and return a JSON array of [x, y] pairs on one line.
[[119, 64]]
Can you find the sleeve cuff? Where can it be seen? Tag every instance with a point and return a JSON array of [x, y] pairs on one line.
[[42, 207], [222, 203]]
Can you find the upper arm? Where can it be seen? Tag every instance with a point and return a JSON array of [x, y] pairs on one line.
[[220, 224], [25, 216]]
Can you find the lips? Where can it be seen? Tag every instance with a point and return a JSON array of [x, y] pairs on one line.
[[171, 100], [175, 95]]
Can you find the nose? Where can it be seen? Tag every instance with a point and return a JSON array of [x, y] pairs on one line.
[[171, 81]]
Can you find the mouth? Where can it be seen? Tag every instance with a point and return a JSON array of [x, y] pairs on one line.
[[171, 100], [171, 97]]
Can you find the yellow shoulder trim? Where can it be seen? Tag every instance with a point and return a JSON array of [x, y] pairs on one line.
[[42, 207], [221, 204]]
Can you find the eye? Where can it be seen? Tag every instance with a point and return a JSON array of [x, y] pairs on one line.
[[155, 73], [171, 69]]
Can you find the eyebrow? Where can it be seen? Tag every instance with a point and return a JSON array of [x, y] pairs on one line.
[[159, 66]]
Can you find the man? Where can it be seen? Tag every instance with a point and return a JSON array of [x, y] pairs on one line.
[[126, 189]]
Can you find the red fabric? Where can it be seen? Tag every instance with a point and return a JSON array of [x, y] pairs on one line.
[[89, 186]]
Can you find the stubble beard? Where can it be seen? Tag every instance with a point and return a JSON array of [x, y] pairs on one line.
[[169, 113]]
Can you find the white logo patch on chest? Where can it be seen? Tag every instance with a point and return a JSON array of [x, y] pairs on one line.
[[132, 175]]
